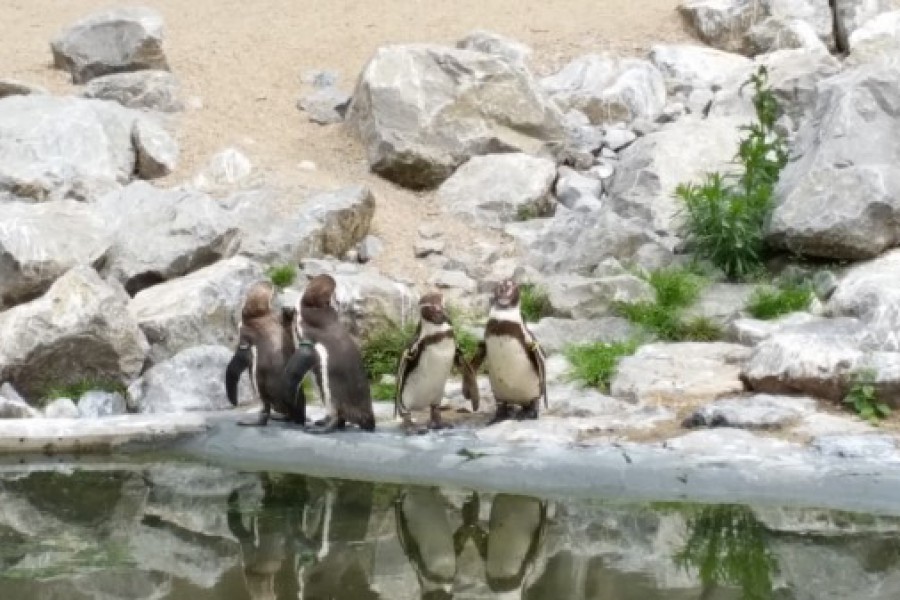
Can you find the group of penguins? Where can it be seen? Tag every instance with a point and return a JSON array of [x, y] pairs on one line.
[[282, 347]]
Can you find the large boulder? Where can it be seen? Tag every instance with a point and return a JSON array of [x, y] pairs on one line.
[[499, 188], [783, 33], [40, 242], [150, 90], [680, 374], [111, 41], [163, 234], [422, 110], [80, 328], [156, 151], [876, 38], [609, 89], [63, 147], [870, 293], [577, 297], [577, 242], [555, 334], [817, 358], [192, 380], [688, 67], [200, 308], [840, 198], [327, 223], [652, 167]]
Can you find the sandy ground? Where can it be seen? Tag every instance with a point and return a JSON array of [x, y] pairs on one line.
[[245, 60]]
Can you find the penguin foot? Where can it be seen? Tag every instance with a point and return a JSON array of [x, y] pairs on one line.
[[278, 417], [502, 413], [438, 425], [528, 413]]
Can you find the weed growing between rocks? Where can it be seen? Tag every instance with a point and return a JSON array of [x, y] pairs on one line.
[[74, 391], [863, 398], [534, 302], [676, 289], [282, 275], [770, 302], [596, 364], [725, 215]]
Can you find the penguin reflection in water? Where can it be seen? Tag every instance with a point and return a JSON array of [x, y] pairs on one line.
[[514, 359], [326, 349], [265, 345], [426, 364], [508, 549]]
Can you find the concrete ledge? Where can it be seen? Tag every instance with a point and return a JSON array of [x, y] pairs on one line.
[[53, 436]]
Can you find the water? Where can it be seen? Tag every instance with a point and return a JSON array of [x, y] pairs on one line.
[[186, 531]]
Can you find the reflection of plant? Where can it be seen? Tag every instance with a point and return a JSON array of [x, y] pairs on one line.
[[864, 399], [727, 546]]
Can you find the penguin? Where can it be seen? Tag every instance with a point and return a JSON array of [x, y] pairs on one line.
[[514, 359], [426, 364], [265, 345], [428, 540], [325, 348]]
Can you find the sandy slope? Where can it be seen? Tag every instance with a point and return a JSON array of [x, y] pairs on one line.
[[245, 60]]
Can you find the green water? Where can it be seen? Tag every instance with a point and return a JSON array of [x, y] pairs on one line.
[[195, 532]]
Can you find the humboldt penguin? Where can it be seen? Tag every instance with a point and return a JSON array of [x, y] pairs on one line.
[[426, 364], [514, 359], [265, 345], [326, 349], [427, 540]]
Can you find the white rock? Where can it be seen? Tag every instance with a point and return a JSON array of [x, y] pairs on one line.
[[226, 169], [96, 404], [157, 152], [498, 45], [61, 408], [690, 67], [150, 90]]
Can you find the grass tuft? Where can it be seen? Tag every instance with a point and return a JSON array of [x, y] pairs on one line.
[[534, 302], [282, 276], [770, 303], [596, 364], [74, 391], [863, 398]]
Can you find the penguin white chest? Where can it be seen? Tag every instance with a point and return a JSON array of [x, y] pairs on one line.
[[425, 385], [512, 375]]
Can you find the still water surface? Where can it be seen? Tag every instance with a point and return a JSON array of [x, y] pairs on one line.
[[192, 532]]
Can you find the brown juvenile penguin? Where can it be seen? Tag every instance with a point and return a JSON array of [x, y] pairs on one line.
[[426, 364], [265, 345], [515, 361], [326, 348]]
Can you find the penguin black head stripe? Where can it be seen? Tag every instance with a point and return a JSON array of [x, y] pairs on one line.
[[506, 294], [431, 308]]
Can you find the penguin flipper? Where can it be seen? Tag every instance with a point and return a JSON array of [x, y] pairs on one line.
[[304, 359], [536, 353], [469, 379], [404, 365], [480, 355], [239, 363]]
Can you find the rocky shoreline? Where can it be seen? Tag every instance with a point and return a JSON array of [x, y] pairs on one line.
[[107, 278]]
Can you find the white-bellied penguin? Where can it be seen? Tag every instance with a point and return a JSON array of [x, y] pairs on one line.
[[427, 362], [327, 349], [265, 345], [513, 358]]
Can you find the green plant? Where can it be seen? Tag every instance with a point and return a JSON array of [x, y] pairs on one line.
[[534, 302], [526, 212], [383, 391], [75, 390], [595, 364], [770, 303], [675, 289], [864, 398], [282, 275], [725, 214], [382, 350], [700, 329]]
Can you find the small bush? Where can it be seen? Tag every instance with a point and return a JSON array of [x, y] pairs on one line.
[[700, 329], [863, 398], [771, 303], [676, 289], [534, 303], [725, 216], [381, 352], [595, 364], [74, 391], [384, 392], [282, 276]]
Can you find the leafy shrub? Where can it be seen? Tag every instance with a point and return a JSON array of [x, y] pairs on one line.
[[282, 275], [382, 350], [771, 303], [534, 302], [595, 364], [700, 329], [863, 398], [74, 391], [725, 215]]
